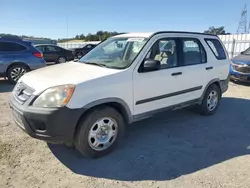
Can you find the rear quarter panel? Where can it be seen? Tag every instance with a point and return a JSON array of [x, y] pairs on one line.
[[29, 59], [220, 67]]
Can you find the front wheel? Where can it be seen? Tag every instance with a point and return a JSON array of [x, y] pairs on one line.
[[211, 100], [99, 132]]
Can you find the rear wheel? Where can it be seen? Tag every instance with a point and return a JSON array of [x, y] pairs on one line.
[[99, 132], [211, 100], [15, 72], [79, 55]]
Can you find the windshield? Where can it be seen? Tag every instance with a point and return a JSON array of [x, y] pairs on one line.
[[246, 52], [115, 52]]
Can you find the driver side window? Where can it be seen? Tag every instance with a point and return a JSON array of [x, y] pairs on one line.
[[115, 46], [165, 51]]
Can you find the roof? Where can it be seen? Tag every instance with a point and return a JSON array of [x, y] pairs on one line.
[[150, 34], [146, 35], [45, 45]]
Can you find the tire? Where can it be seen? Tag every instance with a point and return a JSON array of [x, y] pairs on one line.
[[99, 132], [61, 60], [211, 100], [79, 55], [15, 72]]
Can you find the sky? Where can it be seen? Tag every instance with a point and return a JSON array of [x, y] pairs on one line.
[[49, 18]]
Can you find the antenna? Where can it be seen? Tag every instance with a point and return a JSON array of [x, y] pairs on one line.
[[242, 28]]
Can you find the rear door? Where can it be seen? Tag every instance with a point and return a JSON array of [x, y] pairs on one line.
[[196, 71], [10, 52]]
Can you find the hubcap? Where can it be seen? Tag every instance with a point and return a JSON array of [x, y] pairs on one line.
[[212, 100], [16, 73], [62, 60], [103, 133]]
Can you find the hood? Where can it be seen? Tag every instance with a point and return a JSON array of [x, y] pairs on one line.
[[244, 59], [67, 73]]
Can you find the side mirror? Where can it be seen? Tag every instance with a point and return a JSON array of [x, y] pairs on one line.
[[241, 53], [151, 65]]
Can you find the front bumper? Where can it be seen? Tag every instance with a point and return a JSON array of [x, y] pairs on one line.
[[235, 75], [56, 125]]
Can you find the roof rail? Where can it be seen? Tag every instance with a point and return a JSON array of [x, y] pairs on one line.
[[10, 37], [184, 32]]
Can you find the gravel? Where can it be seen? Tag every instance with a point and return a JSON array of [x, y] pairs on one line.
[[176, 149]]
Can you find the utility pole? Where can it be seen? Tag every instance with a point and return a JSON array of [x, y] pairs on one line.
[[242, 28], [67, 28]]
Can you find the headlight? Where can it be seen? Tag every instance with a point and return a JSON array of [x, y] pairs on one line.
[[55, 97]]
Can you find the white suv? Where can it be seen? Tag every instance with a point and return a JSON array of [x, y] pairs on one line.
[[124, 79]]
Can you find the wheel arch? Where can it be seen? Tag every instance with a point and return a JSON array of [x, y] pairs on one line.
[[214, 81], [13, 64], [118, 104]]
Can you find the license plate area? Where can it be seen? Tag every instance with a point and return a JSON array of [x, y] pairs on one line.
[[244, 77]]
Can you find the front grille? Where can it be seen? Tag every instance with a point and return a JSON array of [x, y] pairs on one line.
[[242, 68], [22, 92]]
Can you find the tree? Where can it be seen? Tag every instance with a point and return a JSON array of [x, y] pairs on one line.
[[82, 37], [216, 30]]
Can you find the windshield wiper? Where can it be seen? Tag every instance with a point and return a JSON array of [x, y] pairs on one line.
[[97, 64]]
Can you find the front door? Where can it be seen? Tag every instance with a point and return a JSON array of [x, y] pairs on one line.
[[177, 81]]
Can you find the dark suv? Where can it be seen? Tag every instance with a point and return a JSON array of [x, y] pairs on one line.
[[80, 52], [18, 57]]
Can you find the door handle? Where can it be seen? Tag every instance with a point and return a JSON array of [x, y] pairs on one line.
[[209, 68], [176, 73]]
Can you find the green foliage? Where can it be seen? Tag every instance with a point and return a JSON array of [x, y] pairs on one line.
[[216, 30], [98, 36]]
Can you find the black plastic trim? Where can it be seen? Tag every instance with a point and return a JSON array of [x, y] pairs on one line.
[[168, 95], [169, 108]]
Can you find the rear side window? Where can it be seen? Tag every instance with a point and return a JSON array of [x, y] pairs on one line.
[[11, 46], [193, 52], [216, 48]]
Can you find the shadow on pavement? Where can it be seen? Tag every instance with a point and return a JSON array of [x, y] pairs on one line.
[[5, 86], [171, 145]]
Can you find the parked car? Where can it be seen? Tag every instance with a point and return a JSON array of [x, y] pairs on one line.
[[240, 67], [18, 57], [80, 52], [89, 102], [55, 54]]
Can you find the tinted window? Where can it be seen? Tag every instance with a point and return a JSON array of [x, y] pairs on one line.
[[11, 46], [41, 48], [216, 48], [50, 49], [193, 52], [164, 50]]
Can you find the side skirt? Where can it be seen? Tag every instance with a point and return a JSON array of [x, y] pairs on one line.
[[169, 108]]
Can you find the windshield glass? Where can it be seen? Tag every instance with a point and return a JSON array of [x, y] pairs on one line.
[[115, 52], [246, 52]]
